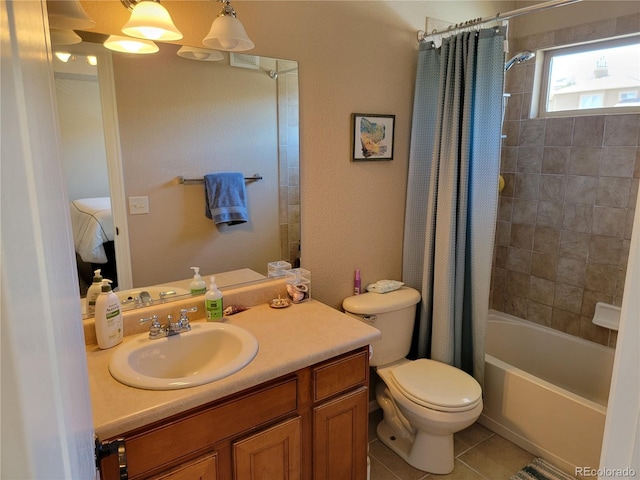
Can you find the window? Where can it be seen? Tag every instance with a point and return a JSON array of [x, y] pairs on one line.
[[591, 78]]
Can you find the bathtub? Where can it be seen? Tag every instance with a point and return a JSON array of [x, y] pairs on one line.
[[546, 391]]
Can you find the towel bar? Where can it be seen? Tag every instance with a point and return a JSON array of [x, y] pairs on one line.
[[194, 181]]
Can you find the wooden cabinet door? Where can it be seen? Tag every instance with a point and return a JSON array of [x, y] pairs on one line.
[[203, 468], [340, 437], [271, 454]]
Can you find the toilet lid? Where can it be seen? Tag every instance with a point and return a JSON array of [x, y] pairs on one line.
[[437, 385]]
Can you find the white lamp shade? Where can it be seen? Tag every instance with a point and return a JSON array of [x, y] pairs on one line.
[[68, 15], [151, 20], [227, 33], [130, 45], [64, 37], [202, 54]]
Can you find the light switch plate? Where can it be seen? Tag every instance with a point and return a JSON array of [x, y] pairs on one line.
[[138, 205]]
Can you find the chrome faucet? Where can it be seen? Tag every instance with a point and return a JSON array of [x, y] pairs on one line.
[[143, 299], [157, 330]]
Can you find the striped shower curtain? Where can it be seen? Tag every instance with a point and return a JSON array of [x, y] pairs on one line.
[[452, 194]]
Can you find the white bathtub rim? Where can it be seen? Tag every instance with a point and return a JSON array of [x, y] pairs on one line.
[[558, 389]]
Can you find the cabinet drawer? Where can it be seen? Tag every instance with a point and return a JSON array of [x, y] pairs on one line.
[[162, 446], [203, 468], [340, 374]]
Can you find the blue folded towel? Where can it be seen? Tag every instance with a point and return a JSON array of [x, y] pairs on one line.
[[226, 198]]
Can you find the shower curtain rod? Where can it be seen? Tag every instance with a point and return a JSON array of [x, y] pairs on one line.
[[423, 36]]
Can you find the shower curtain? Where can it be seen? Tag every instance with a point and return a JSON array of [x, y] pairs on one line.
[[452, 194]]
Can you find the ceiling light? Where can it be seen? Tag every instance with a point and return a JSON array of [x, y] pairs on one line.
[[130, 45], [63, 56], [202, 54], [92, 60], [68, 15], [227, 33], [64, 37], [150, 20]]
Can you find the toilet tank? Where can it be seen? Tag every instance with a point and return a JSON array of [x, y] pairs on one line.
[[393, 313]]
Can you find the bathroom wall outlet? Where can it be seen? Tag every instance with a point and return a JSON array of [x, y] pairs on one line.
[[138, 205]]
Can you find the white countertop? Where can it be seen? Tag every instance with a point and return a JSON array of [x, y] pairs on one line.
[[289, 339]]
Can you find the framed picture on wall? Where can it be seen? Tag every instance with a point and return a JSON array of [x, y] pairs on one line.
[[372, 137]]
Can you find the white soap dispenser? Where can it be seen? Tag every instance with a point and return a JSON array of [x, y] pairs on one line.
[[197, 285], [94, 290], [213, 302], [108, 317]]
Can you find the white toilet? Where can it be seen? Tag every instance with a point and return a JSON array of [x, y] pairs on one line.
[[424, 401]]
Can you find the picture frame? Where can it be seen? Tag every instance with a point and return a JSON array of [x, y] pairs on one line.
[[372, 137]]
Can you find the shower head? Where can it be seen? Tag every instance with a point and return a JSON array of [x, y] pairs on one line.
[[519, 58]]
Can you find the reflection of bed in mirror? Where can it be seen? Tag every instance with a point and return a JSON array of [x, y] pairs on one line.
[[93, 234]]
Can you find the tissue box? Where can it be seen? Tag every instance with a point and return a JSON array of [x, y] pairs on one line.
[[277, 269], [298, 284]]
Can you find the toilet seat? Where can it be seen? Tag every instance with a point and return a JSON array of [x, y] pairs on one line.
[[436, 385]]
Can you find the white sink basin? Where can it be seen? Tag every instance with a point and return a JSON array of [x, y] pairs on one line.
[[209, 352]]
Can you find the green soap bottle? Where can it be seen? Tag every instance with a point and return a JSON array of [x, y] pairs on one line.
[[213, 302]]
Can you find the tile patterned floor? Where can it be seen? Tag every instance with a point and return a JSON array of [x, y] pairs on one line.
[[479, 453]]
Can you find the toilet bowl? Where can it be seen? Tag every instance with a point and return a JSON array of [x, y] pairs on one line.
[[428, 444], [424, 401]]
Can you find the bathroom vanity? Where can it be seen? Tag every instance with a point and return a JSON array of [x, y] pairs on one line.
[[298, 410]]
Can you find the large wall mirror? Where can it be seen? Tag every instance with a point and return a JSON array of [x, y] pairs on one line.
[[174, 117]]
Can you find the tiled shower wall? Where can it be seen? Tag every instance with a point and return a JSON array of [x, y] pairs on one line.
[[289, 157], [566, 213]]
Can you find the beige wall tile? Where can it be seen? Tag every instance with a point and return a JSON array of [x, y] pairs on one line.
[[524, 211], [549, 214], [546, 239], [519, 260], [515, 305], [559, 131], [517, 283], [556, 160], [539, 313], [532, 132], [522, 236], [574, 245], [621, 129], [565, 321], [609, 221], [530, 159], [617, 162], [588, 131], [571, 272], [604, 250], [613, 192], [585, 160], [567, 297], [552, 187], [581, 189], [508, 159], [541, 291], [526, 186], [543, 265], [577, 218]]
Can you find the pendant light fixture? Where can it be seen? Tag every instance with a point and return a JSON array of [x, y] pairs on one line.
[[201, 54], [64, 36], [150, 20], [227, 33], [122, 44], [68, 15]]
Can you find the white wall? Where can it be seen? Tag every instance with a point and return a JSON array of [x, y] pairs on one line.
[[82, 132]]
